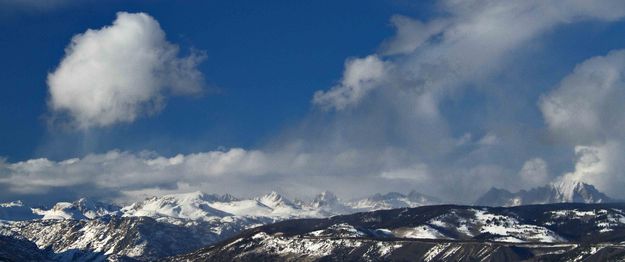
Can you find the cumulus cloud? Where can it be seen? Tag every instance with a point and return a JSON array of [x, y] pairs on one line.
[[120, 72], [586, 110]]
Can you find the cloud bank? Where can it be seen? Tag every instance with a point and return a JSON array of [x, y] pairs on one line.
[[399, 96], [391, 123], [119, 73]]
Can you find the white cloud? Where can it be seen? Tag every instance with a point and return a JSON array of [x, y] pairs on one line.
[[427, 63], [588, 105], [410, 34], [360, 77], [600, 165], [586, 110], [120, 72], [127, 171], [467, 46]]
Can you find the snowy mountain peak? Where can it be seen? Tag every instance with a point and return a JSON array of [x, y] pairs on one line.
[[63, 210], [193, 205], [191, 196], [571, 190], [394, 200], [227, 198], [92, 209], [275, 200], [273, 196], [325, 198], [559, 191], [80, 209]]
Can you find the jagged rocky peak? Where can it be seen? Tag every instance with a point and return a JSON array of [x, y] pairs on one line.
[[273, 196], [275, 199], [571, 190], [325, 198], [559, 191], [227, 198], [93, 208]]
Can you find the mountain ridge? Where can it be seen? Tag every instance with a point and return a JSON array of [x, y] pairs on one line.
[[86, 229], [562, 231], [559, 191]]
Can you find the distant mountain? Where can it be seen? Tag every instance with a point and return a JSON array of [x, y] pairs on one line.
[[393, 200], [561, 191], [328, 204], [80, 209], [190, 206], [555, 232], [156, 227]]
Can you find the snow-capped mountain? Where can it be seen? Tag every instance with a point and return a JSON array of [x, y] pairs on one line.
[[188, 206], [559, 191], [151, 228], [554, 232], [328, 204], [173, 224], [80, 209], [393, 200]]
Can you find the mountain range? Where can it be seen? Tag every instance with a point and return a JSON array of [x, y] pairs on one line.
[[553, 232], [559, 191], [153, 228], [168, 225]]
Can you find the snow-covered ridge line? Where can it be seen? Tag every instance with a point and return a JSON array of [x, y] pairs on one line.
[[197, 206], [436, 233], [559, 191], [157, 226], [211, 207]]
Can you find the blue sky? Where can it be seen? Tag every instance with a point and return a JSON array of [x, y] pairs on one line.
[[264, 61], [352, 96]]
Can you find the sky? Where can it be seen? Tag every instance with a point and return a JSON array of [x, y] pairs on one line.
[[119, 100]]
